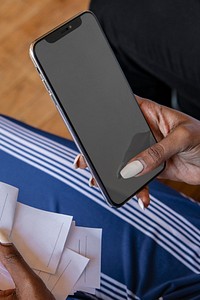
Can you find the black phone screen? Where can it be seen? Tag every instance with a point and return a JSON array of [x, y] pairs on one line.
[[93, 92]]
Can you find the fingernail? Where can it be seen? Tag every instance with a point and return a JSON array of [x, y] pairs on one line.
[[132, 169], [75, 164], [91, 184], [4, 239], [141, 204]]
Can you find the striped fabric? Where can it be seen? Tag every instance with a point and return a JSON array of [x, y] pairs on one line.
[[146, 255]]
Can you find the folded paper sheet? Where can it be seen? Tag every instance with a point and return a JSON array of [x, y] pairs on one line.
[[42, 240], [66, 257], [87, 242], [70, 268], [6, 281], [39, 235], [8, 201]]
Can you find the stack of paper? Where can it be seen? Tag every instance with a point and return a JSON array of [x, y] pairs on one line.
[[65, 256]]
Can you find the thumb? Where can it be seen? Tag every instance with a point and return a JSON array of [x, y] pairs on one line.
[[154, 156], [19, 270]]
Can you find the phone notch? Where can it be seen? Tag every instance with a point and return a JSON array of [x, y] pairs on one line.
[[64, 30]]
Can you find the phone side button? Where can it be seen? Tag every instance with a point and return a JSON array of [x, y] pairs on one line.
[[46, 86], [53, 99]]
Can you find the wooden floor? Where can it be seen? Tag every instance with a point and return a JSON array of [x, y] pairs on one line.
[[22, 94]]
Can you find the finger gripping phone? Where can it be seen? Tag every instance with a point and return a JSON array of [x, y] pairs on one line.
[[85, 81]]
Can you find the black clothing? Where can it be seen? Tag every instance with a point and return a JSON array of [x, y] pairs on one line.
[[157, 44]]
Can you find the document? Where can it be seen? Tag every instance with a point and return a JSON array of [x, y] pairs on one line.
[[65, 256], [40, 236], [70, 269], [8, 201], [87, 242], [6, 281]]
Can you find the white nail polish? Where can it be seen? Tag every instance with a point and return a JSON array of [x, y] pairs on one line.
[[141, 204], [90, 182], [75, 165], [4, 239], [132, 169]]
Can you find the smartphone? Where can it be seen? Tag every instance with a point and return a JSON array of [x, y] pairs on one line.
[[89, 89]]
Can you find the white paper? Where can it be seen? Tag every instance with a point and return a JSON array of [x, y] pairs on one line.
[[69, 270], [6, 281], [8, 201], [87, 242], [40, 236], [44, 276]]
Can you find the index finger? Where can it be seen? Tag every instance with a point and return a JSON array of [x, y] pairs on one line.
[[80, 162]]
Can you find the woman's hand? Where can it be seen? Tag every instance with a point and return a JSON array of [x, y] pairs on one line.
[[28, 285], [178, 137]]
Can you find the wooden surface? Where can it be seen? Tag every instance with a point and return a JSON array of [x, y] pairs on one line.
[[22, 94]]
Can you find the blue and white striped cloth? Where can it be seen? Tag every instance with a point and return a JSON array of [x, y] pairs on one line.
[[147, 255]]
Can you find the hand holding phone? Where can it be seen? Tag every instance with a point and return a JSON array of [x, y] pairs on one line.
[[95, 101]]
